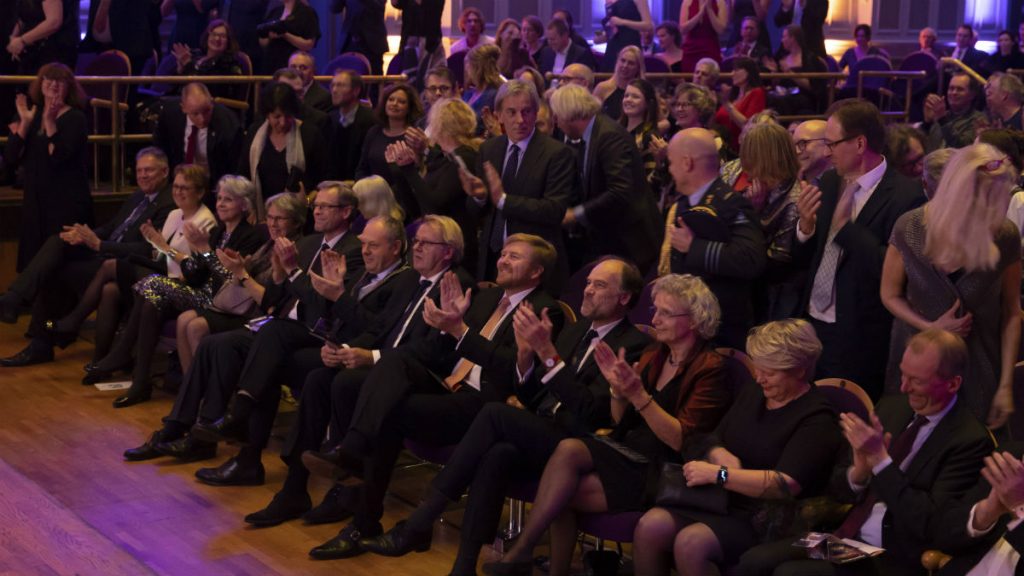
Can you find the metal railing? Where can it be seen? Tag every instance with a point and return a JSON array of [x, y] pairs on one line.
[[117, 137]]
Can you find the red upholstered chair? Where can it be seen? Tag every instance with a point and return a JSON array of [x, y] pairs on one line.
[[348, 61]]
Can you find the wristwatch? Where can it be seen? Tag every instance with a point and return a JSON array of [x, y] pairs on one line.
[[723, 476], [550, 363]]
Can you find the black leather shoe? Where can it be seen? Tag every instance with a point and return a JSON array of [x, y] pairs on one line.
[[508, 568], [131, 399], [61, 338], [231, 473], [334, 463], [398, 542], [226, 429], [187, 449], [344, 545], [34, 353], [282, 508], [336, 506], [9, 307], [147, 451], [94, 373]]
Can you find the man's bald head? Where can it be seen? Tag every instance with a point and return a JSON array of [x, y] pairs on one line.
[[693, 158], [810, 129], [811, 150]]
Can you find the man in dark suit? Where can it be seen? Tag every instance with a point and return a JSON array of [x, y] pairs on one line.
[[71, 259], [899, 488], [330, 392], [350, 121], [966, 52], [363, 30], [529, 179], [982, 530], [750, 44], [843, 232], [313, 93], [811, 19], [564, 394], [220, 358], [612, 194], [714, 233], [198, 131], [433, 390], [1004, 94], [560, 50]]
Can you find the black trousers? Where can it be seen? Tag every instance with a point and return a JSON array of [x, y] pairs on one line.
[[862, 362], [504, 445], [212, 378], [56, 269], [781, 558], [328, 400]]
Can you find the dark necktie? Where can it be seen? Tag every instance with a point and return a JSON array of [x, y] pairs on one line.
[[363, 284], [193, 143], [317, 266], [118, 234], [580, 148], [898, 452], [398, 330], [508, 178]]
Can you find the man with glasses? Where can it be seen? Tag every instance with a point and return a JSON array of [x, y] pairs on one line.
[[350, 121], [811, 151], [312, 94], [952, 122], [439, 83], [842, 232], [905, 147]]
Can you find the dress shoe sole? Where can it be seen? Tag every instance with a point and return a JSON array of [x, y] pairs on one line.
[[254, 481], [351, 553], [188, 456], [140, 456]]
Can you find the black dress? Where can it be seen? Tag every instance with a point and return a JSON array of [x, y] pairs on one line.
[[56, 190], [612, 105], [189, 23], [624, 36], [302, 22], [61, 46], [800, 439], [223, 65], [372, 159]]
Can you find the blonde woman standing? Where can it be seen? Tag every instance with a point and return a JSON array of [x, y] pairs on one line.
[[955, 264]]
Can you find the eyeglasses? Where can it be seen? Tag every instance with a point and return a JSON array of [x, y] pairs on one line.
[[994, 165], [832, 144], [678, 104], [181, 188], [801, 145], [442, 89], [655, 311], [323, 206], [422, 242]]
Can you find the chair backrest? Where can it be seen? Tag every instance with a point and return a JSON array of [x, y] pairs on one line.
[[920, 60], [168, 66], [874, 64], [739, 369], [641, 312], [598, 59], [245, 63], [728, 64], [456, 63], [655, 65], [617, 527], [109, 63], [348, 61], [845, 396], [570, 314]]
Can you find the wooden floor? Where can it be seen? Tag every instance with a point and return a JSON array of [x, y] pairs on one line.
[[70, 505]]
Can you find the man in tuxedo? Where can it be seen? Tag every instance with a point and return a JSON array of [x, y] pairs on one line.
[[810, 14], [982, 530], [899, 488], [966, 52], [612, 193], [712, 233], [812, 153], [220, 358], [529, 179], [842, 232], [560, 50], [952, 122], [432, 391], [750, 45], [198, 131], [330, 392], [562, 394], [313, 93], [70, 259], [363, 30], [1003, 96], [350, 121]]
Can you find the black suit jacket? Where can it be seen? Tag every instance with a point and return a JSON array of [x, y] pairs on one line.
[[619, 210], [586, 404], [313, 306], [223, 139], [976, 60], [577, 55], [312, 146], [363, 25], [812, 21], [944, 468], [952, 537], [859, 311], [728, 267], [133, 242], [496, 356], [319, 98], [346, 143], [354, 315], [537, 201]]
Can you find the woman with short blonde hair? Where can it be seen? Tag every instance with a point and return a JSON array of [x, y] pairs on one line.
[[790, 344], [955, 264]]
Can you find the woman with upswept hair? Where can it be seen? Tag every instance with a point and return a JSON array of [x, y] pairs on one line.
[[954, 264]]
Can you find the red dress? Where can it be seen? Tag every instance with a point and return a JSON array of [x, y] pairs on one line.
[[752, 102], [701, 41]]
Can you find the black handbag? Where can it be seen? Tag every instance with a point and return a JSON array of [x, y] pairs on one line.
[[674, 493]]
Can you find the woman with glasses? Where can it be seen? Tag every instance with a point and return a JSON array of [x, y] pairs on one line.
[[675, 391], [217, 55], [954, 264], [433, 175]]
